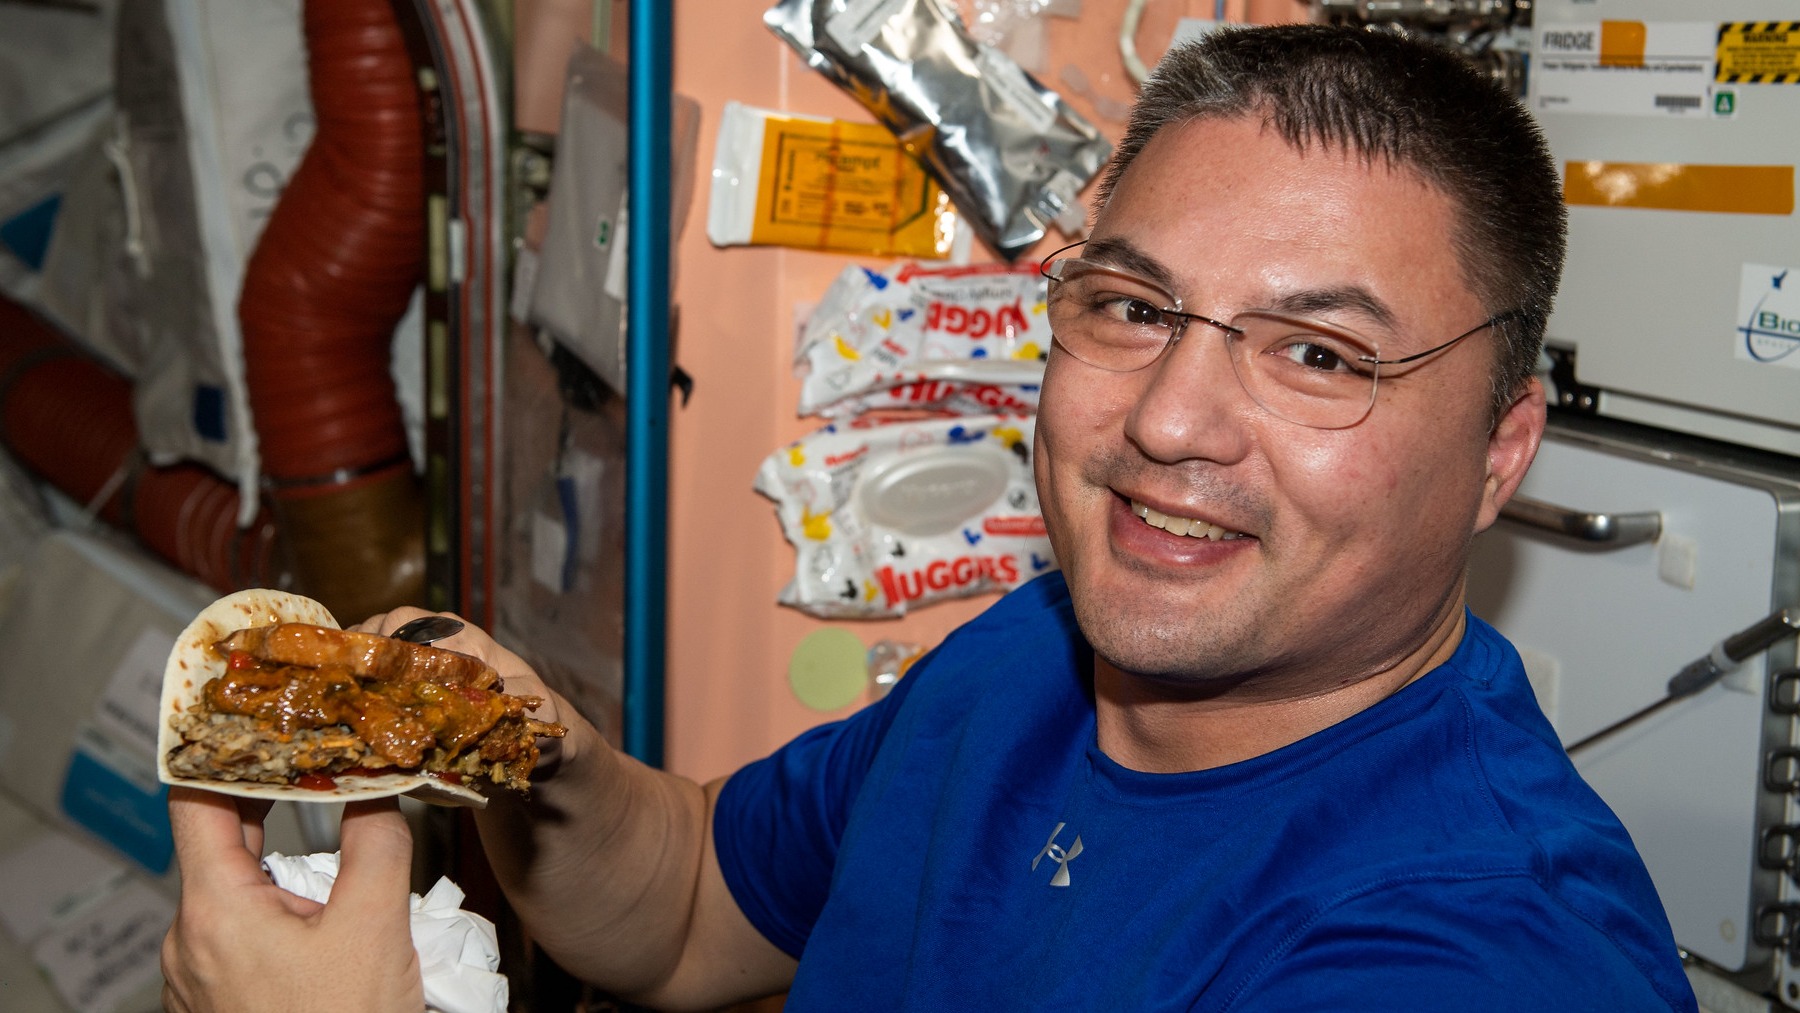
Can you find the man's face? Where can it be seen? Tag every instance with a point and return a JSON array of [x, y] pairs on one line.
[[1353, 540]]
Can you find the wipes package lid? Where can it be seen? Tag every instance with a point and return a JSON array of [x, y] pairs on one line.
[[887, 515]]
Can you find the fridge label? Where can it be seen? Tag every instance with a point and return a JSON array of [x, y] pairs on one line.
[[1625, 68], [1768, 328]]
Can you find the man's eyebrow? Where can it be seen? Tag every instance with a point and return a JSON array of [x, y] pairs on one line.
[[1355, 298], [1121, 253]]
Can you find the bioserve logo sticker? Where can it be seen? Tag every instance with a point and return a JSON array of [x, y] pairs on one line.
[[1768, 328]]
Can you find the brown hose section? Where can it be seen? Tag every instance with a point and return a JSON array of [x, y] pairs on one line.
[[68, 418], [330, 277]]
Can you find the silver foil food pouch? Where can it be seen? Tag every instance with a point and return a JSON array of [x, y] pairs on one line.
[[1011, 153]]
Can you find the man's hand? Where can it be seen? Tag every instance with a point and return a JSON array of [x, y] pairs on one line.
[[609, 863], [516, 676], [242, 944]]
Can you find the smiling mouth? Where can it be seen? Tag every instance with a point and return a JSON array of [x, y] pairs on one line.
[[1186, 526]]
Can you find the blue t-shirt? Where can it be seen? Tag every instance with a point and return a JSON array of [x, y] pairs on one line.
[[964, 844]]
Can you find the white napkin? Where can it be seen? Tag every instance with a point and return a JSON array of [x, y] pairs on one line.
[[458, 950]]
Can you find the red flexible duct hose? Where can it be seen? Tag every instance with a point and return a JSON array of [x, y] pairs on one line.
[[76, 442], [332, 274], [68, 418]]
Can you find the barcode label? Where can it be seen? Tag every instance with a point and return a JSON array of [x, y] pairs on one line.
[[1676, 101]]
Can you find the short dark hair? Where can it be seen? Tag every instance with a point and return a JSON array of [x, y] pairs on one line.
[[1412, 103]]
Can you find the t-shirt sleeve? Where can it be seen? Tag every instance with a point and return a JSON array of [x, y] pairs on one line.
[[1499, 945], [778, 821]]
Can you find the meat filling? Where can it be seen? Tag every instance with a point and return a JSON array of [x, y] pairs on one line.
[[366, 655], [271, 720]]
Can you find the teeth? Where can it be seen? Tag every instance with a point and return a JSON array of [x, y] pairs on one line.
[[1183, 525]]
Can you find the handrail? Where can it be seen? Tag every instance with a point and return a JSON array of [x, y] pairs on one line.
[[1612, 531], [647, 380]]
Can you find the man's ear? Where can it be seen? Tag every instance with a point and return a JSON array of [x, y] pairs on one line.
[[1511, 447]]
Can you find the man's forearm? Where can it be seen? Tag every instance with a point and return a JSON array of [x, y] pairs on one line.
[[602, 864], [610, 863], [610, 866]]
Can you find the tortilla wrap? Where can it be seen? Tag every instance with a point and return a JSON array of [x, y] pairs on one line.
[[193, 662]]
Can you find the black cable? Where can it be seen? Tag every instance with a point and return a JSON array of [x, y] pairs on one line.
[[1702, 672]]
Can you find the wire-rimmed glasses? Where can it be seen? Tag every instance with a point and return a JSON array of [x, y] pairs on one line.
[[1306, 371]]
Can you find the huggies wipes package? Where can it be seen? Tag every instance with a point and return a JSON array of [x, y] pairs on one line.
[[921, 489], [963, 339], [886, 515]]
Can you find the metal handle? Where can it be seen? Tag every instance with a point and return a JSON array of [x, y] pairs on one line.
[[1775, 924], [1781, 771], [1761, 636], [1779, 847], [1784, 691], [1610, 530]]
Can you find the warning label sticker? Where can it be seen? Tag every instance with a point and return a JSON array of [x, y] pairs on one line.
[[1758, 52]]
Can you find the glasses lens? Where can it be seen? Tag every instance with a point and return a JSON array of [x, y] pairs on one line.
[[1305, 371], [1108, 318]]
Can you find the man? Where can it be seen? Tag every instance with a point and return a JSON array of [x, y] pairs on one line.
[[1277, 766]]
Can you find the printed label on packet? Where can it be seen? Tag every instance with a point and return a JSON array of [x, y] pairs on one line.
[[887, 515], [861, 21], [817, 184], [1009, 81], [964, 339]]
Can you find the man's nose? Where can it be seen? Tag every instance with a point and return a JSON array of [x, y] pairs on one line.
[[1191, 405]]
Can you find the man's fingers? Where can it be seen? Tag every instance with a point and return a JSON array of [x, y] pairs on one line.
[[384, 623], [218, 845], [515, 674], [251, 814], [375, 870]]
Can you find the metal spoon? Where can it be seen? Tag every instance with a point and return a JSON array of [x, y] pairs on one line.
[[425, 629]]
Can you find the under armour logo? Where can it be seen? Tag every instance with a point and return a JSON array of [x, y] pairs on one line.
[[1055, 853]]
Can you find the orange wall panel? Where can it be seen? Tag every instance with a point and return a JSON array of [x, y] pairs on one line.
[[728, 699]]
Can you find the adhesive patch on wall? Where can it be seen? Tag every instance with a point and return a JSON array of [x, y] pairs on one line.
[[829, 669]]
